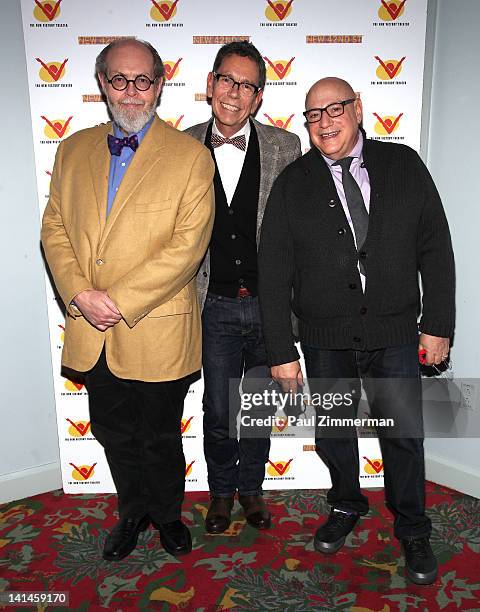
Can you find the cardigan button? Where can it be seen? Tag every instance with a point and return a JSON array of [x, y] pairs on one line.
[[357, 339], [332, 203], [363, 310], [352, 286], [362, 255], [341, 231], [205, 274]]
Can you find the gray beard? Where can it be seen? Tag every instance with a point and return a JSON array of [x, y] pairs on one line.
[[129, 122]]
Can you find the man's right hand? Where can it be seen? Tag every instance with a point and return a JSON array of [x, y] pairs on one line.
[[288, 375], [98, 309]]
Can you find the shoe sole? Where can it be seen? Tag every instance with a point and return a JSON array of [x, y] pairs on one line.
[[420, 578], [329, 548]]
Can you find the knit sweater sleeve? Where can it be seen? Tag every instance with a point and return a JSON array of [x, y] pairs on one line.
[[436, 262], [276, 272]]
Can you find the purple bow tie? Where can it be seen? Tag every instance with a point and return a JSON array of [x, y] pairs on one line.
[[237, 141], [116, 144]]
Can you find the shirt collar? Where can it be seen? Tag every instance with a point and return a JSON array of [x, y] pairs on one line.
[[356, 152], [117, 132], [246, 129]]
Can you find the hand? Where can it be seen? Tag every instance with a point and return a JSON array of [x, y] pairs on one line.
[[288, 375], [436, 348], [98, 309]]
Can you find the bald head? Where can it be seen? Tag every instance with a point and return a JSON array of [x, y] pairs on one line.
[[343, 88], [334, 136]]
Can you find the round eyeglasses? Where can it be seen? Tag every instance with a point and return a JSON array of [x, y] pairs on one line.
[[141, 82], [333, 110], [226, 82]]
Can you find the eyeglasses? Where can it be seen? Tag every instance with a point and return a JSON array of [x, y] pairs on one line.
[[141, 82], [333, 110], [245, 89]]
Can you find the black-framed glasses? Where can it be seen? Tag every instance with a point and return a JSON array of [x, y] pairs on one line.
[[245, 88], [333, 110], [141, 82]]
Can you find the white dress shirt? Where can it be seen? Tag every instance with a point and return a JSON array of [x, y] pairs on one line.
[[230, 160]]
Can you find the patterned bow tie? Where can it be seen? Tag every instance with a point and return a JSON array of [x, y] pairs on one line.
[[116, 144], [237, 141]]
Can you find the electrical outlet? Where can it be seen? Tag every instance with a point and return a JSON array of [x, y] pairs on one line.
[[469, 396]]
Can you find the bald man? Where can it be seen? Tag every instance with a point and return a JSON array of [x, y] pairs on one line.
[[347, 227]]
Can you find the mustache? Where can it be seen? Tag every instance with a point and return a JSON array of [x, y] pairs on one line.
[[129, 100]]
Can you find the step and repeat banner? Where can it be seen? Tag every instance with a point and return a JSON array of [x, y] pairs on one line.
[[376, 45]]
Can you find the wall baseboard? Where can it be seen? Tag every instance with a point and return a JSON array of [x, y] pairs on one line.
[[453, 475], [32, 481]]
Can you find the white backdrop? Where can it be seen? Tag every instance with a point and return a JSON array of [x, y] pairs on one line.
[[376, 45]]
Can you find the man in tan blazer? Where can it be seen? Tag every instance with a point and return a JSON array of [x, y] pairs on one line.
[[127, 224]]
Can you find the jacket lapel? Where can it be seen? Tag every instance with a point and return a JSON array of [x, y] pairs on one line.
[[99, 160], [146, 156], [269, 156]]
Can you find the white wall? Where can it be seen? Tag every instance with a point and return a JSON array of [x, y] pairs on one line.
[[29, 461], [453, 141]]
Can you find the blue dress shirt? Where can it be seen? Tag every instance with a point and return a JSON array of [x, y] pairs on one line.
[[120, 163]]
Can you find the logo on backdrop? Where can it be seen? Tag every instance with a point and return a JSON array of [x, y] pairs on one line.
[[390, 12], [55, 129], [386, 126], [372, 467], [388, 70], [162, 12], [46, 10], [277, 70], [73, 387], [51, 73], [281, 122], [277, 469], [189, 472], [172, 70], [174, 121], [81, 473], [277, 13], [185, 427], [79, 429]]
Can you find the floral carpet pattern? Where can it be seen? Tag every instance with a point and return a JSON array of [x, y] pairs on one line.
[[53, 542]]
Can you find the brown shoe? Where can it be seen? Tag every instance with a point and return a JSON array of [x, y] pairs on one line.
[[256, 511], [218, 515]]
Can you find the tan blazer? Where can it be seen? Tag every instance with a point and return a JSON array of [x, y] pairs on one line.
[[145, 254]]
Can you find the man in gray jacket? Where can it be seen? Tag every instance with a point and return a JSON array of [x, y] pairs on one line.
[[248, 157]]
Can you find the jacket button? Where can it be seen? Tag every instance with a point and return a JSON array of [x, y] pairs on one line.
[[357, 339], [230, 211], [332, 203], [363, 310], [362, 255], [341, 231], [352, 286], [238, 262], [233, 236], [99, 262]]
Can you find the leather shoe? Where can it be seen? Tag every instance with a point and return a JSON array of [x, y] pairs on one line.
[[123, 538], [330, 536], [218, 515], [420, 561], [175, 537], [256, 511]]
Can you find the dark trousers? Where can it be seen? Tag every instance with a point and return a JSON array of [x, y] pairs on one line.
[[232, 344], [139, 426], [392, 385]]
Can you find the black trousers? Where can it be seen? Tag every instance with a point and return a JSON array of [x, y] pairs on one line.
[[139, 426], [392, 384]]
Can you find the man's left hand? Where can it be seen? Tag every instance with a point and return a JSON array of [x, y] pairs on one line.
[[436, 348]]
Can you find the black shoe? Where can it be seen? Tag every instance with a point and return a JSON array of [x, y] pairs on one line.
[[218, 515], [256, 511], [175, 537], [420, 561], [330, 536], [123, 538]]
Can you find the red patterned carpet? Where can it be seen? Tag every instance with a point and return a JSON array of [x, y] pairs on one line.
[[53, 542]]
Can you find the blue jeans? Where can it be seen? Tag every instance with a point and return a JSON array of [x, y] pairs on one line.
[[403, 459], [232, 344]]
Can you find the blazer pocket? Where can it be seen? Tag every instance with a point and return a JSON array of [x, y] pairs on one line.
[[173, 307], [150, 207]]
